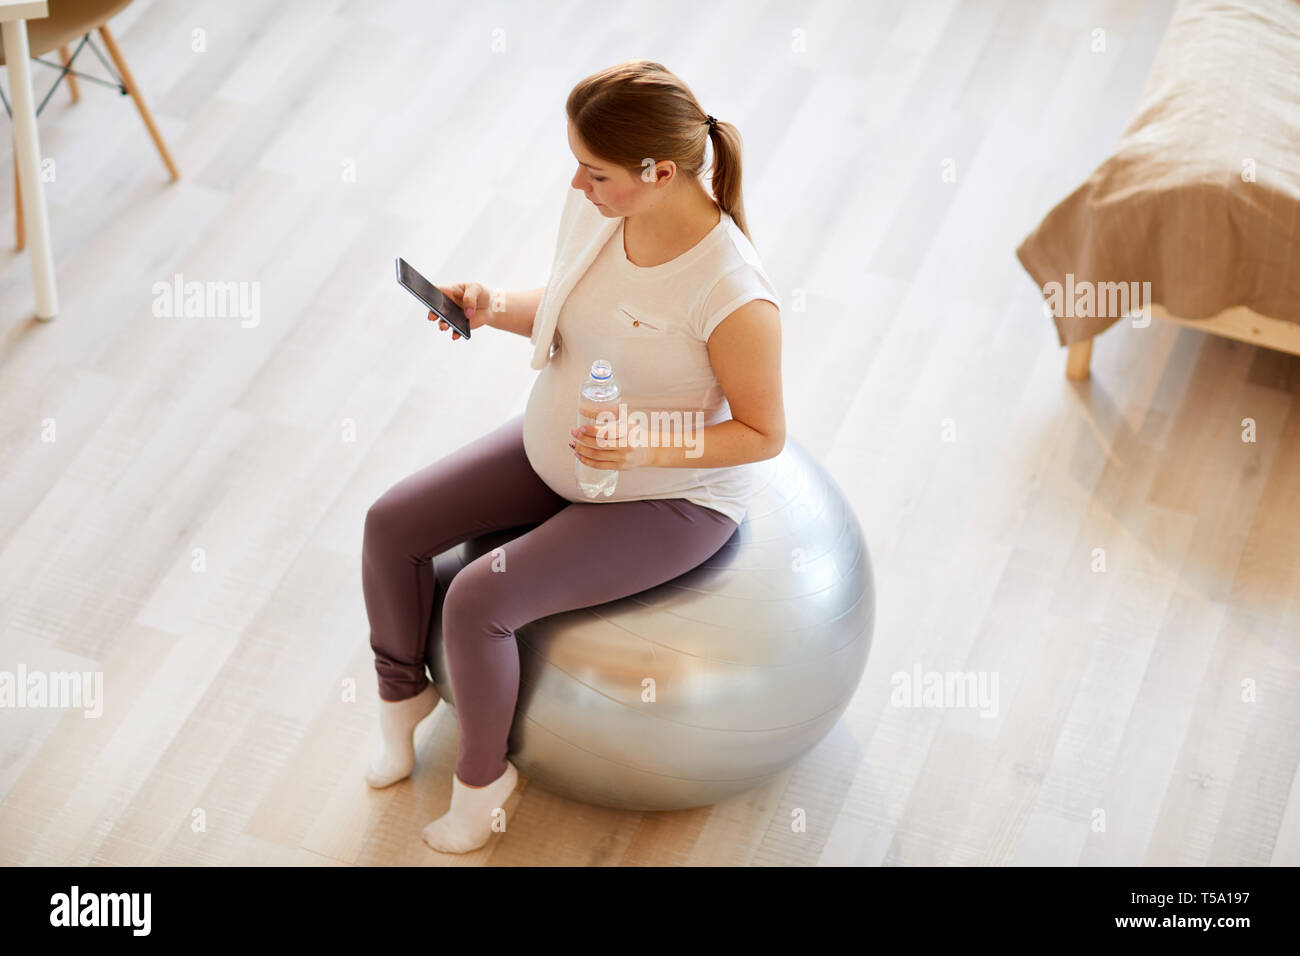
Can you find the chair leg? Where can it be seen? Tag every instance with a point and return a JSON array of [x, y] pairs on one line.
[[20, 230], [1076, 362], [66, 56], [131, 88]]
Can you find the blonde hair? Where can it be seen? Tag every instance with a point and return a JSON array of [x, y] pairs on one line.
[[638, 108]]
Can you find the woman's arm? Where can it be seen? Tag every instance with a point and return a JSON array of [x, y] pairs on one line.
[[515, 311], [745, 352]]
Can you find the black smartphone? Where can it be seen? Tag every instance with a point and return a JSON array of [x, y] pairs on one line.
[[432, 297]]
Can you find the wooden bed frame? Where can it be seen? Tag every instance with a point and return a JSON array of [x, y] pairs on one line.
[[1238, 323]]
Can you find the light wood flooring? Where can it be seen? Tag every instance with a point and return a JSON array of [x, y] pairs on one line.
[[1121, 692]]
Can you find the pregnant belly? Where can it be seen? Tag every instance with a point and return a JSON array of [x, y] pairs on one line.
[[546, 437]]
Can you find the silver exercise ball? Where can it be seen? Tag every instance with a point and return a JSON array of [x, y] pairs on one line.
[[753, 656]]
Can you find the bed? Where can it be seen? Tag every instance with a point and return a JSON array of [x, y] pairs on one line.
[[1196, 214]]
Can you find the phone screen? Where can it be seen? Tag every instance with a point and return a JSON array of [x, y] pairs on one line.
[[432, 296]]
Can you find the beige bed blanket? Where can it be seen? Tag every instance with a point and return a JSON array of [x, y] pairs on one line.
[[1202, 196]]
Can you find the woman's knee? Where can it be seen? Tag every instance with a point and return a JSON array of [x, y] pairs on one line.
[[385, 519], [476, 598]]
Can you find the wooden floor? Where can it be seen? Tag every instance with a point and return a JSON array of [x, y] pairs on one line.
[[1147, 712]]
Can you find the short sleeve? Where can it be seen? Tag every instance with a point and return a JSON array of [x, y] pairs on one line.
[[742, 284]]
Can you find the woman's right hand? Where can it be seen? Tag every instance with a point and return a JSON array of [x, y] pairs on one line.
[[473, 300]]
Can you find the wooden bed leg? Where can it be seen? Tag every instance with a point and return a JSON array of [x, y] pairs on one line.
[[1076, 362]]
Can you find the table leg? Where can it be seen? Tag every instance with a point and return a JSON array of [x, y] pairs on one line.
[[28, 149], [20, 236]]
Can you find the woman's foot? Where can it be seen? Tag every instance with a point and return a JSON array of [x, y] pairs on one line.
[[397, 720], [468, 824]]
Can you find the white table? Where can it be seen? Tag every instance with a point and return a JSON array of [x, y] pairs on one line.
[[27, 147]]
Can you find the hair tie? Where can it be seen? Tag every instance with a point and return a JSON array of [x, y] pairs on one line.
[[711, 121]]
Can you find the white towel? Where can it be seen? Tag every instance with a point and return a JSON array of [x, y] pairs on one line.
[[584, 230]]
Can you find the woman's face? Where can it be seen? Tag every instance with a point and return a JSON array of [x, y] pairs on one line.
[[614, 190]]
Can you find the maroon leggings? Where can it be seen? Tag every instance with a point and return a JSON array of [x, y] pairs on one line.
[[580, 554]]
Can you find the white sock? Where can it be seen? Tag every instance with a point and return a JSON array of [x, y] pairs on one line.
[[397, 720], [468, 824]]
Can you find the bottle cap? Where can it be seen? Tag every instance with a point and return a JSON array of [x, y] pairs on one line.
[[601, 370]]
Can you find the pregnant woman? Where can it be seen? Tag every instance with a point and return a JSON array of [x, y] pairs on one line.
[[659, 277]]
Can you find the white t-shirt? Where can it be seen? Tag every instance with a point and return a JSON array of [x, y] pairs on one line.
[[652, 325]]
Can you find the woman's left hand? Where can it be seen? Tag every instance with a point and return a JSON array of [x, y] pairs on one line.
[[594, 448]]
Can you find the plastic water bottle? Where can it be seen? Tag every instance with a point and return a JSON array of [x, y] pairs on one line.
[[599, 392]]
